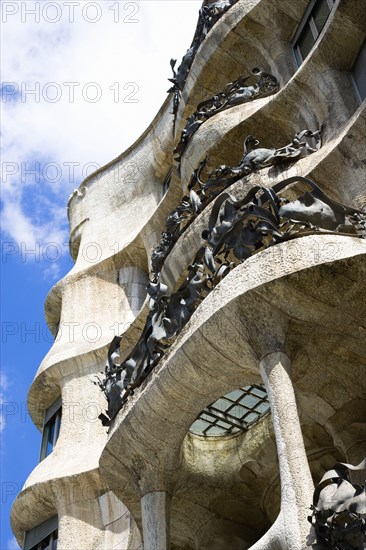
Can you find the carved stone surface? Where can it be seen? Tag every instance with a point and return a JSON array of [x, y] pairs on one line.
[[208, 16], [234, 93], [237, 229], [339, 510]]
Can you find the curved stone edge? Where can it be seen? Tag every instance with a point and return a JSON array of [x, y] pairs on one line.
[[131, 149]]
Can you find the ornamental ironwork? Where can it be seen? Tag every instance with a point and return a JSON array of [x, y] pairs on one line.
[[202, 192], [339, 510], [237, 229], [235, 93], [207, 17]]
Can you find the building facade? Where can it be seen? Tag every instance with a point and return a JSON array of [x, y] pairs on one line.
[[231, 285]]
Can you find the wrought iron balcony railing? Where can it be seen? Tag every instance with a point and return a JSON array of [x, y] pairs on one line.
[[237, 229]]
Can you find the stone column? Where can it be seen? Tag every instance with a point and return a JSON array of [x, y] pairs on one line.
[[155, 509], [296, 481]]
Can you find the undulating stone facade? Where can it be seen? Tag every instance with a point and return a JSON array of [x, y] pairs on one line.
[[209, 274]]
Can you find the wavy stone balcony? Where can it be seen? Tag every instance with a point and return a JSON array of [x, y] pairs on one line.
[[240, 41], [269, 302], [274, 120], [240, 34]]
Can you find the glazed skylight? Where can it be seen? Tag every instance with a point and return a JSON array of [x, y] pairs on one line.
[[232, 413]]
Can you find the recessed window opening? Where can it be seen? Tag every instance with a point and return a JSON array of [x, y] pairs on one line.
[[310, 27], [359, 72], [234, 412], [42, 537], [167, 181], [51, 428]]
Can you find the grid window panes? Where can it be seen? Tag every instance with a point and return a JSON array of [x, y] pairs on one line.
[[51, 429], [232, 413], [311, 26]]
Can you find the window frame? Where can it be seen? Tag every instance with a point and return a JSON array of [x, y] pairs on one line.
[[308, 21], [53, 413], [167, 180], [34, 538], [354, 81]]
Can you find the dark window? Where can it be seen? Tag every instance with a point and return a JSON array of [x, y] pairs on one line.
[[51, 429], [305, 42], [310, 27], [42, 537], [359, 72], [320, 14]]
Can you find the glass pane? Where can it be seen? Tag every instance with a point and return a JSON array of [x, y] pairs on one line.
[[216, 430], [249, 401], [261, 392], [50, 436], [306, 41], [199, 426], [222, 404], [298, 55], [234, 395], [207, 417], [262, 408], [224, 425], [251, 417], [58, 425], [321, 14], [238, 412]]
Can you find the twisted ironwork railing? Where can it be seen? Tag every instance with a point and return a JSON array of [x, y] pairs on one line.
[[202, 192], [208, 15], [237, 229], [339, 510], [234, 93]]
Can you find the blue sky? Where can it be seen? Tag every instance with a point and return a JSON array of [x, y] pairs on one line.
[[79, 84]]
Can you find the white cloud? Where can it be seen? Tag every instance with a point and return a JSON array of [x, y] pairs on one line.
[[122, 59]]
